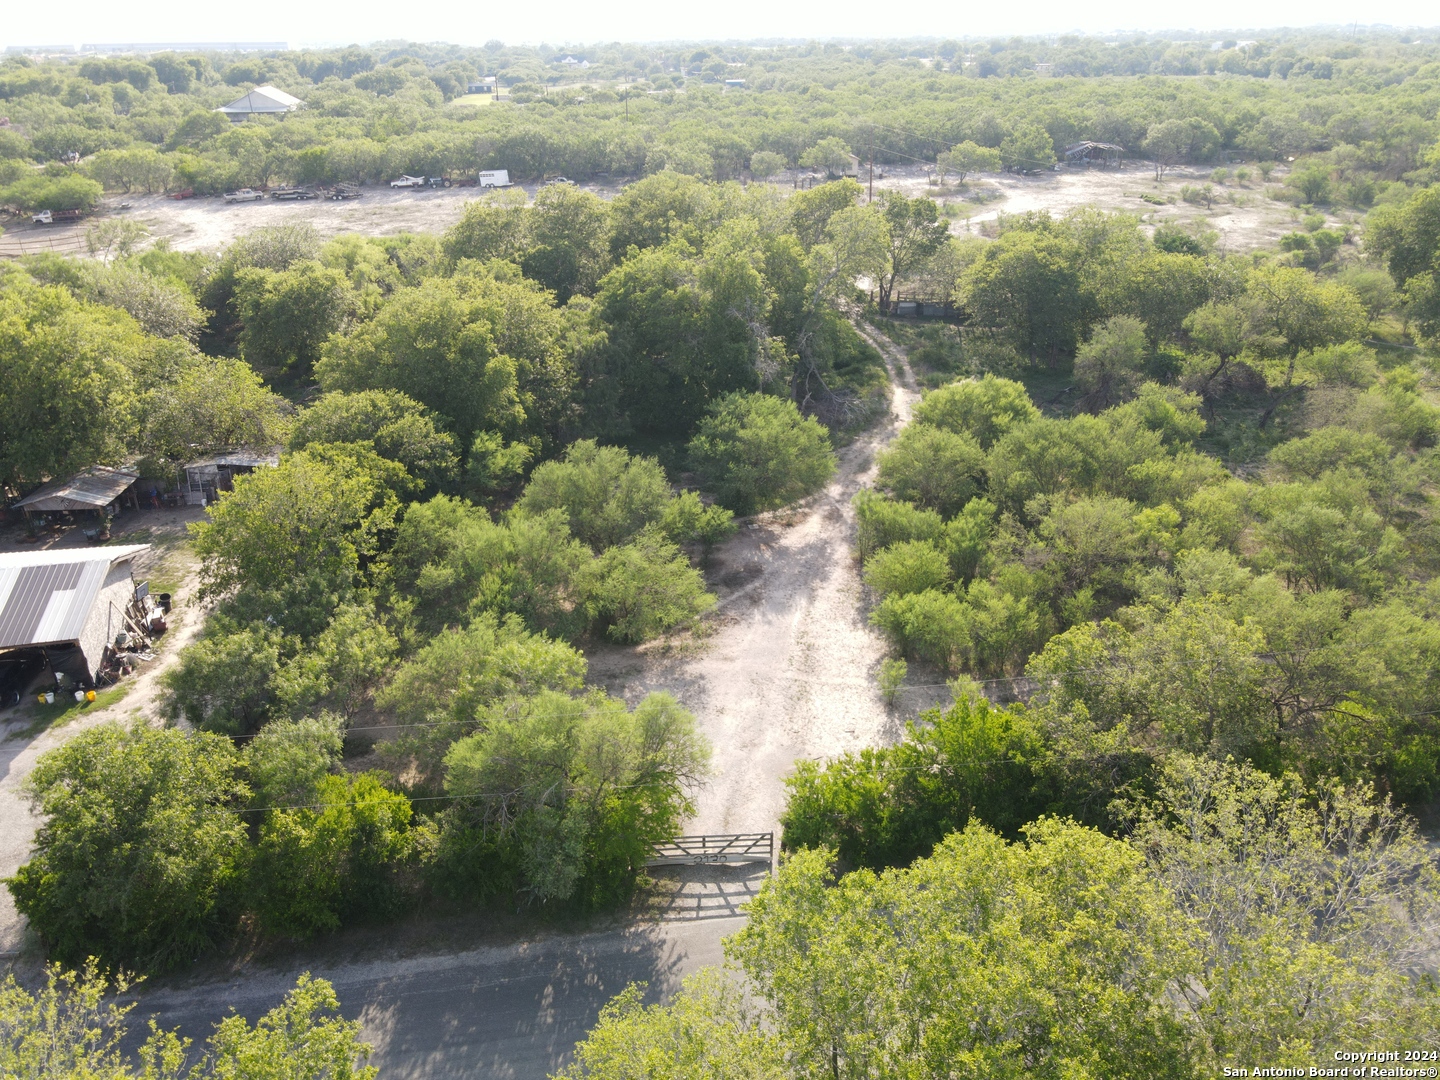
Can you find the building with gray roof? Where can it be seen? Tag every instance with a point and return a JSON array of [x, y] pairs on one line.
[[67, 605]]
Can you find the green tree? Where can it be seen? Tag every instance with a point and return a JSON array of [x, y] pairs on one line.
[[766, 163], [831, 154], [910, 566], [69, 1028], [811, 210], [1013, 956], [933, 468], [207, 406], [709, 1031], [967, 157], [663, 206], [1026, 284], [140, 849], [287, 759], [1173, 141], [66, 390], [641, 589], [312, 518], [569, 241], [493, 227], [983, 409], [317, 865], [1028, 148], [757, 452], [223, 682], [1108, 366], [917, 231], [288, 314], [437, 344], [594, 786], [607, 495], [396, 426]]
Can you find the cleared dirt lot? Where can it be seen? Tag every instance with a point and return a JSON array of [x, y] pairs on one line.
[[1251, 220]]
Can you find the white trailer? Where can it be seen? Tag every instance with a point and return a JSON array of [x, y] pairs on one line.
[[495, 178]]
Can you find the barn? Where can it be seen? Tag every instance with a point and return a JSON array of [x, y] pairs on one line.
[[64, 608]]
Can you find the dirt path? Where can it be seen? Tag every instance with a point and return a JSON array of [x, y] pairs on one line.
[[21, 747], [789, 668]]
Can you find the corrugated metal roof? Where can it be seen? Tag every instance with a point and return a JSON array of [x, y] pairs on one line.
[[263, 99], [251, 458], [90, 490], [45, 596]]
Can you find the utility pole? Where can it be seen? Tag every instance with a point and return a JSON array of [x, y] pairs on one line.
[[872, 166]]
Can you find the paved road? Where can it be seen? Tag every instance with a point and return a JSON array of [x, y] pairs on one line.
[[488, 1014]]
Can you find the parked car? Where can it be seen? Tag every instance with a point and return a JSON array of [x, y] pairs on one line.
[[292, 193], [559, 180], [53, 217], [183, 193], [408, 181], [245, 194]]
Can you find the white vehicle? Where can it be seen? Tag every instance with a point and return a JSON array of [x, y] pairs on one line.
[[495, 178], [408, 181], [245, 194]]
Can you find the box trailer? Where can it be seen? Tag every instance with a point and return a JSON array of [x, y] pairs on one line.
[[495, 178]]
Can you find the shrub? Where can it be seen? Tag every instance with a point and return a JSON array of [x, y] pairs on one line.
[[608, 495], [140, 851], [757, 452], [911, 566], [640, 590], [985, 409], [51, 193], [932, 468], [880, 522]]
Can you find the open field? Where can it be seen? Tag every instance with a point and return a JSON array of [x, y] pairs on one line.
[[1251, 222]]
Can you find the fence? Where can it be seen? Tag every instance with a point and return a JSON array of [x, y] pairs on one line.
[[715, 848]]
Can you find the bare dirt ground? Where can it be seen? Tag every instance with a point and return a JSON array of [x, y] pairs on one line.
[[211, 223], [1244, 216], [787, 668], [28, 730]]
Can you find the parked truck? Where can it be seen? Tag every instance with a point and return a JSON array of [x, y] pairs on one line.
[[54, 217], [245, 194]]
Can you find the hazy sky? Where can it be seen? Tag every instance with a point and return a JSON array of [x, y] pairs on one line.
[[579, 21]]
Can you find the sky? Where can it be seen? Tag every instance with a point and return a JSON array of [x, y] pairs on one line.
[[576, 22]]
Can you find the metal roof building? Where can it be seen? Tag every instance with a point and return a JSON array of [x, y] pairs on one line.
[[262, 101], [94, 489], [70, 602]]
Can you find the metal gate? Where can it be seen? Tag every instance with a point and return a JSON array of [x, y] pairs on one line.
[[715, 848]]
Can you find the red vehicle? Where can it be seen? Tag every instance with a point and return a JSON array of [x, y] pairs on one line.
[[187, 193]]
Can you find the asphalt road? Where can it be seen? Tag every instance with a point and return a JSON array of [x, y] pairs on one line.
[[488, 1014]]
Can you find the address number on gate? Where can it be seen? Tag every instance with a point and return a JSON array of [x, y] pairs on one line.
[[707, 857]]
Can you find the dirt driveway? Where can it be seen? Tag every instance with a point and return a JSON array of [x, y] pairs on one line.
[[787, 669]]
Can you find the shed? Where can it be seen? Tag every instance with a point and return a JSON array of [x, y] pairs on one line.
[[99, 489], [1088, 152], [262, 101], [484, 85], [206, 478], [67, 605]]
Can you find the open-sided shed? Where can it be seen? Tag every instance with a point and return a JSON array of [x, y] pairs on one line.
[[99, 489]]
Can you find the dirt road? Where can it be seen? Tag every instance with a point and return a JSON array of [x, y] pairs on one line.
[[788, 669]]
